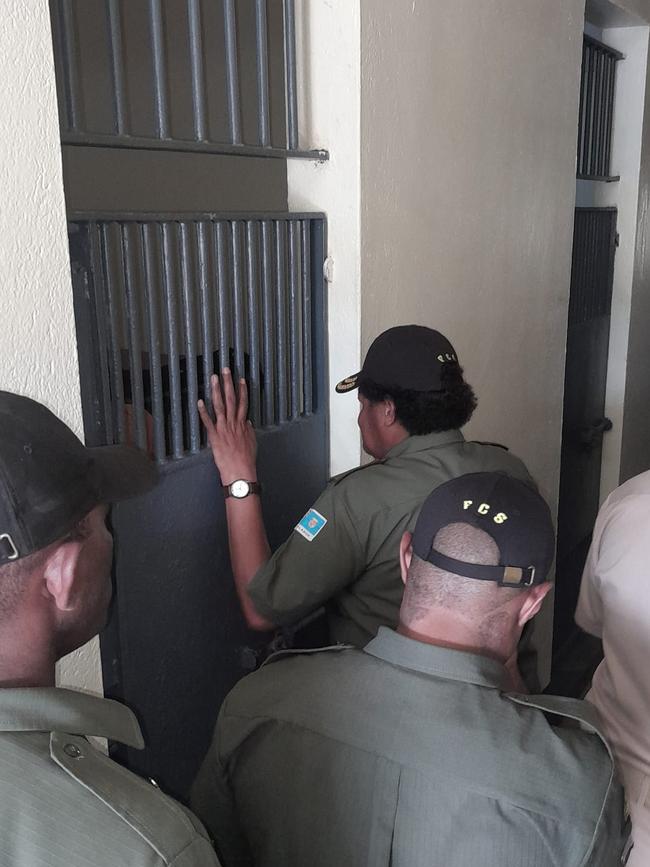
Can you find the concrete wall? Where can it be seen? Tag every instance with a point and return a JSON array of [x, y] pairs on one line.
[[468, 131], [38, 353], [329, 75]]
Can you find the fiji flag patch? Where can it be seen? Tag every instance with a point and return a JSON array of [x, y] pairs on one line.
[[311, 525]]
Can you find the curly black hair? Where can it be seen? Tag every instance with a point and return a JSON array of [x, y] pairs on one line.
[[424, 412]]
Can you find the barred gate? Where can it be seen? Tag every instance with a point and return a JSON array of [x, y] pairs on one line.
[[161, 301]]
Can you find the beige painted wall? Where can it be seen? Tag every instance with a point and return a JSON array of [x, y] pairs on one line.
[[468, 131], [38, 353]]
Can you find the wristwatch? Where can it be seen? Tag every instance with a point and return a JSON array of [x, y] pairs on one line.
[[240, 488]]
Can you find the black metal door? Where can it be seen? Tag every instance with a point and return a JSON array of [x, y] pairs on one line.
[[584, 422]]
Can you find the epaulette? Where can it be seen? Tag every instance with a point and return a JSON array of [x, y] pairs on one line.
[[498, 445], [570, 708], [336, 479], [305, 651]]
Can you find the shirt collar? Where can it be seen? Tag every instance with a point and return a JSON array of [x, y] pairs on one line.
[[45, 709], [438, 661], [414, 444]]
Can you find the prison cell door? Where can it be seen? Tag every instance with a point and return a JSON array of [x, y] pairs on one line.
[[177, 118], [584, 421]]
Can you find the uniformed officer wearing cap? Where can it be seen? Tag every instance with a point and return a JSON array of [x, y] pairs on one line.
[[410, 752], [343, 552], [62, 802]]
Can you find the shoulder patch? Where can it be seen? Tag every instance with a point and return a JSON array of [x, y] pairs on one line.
[[310, 525], [283, 654], [497, 445], [335, 480]]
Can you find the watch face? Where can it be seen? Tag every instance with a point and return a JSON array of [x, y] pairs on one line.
[[239, 489]]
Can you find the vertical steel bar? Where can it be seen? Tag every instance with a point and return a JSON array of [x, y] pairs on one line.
[[139, 432], [223, 293], [171, 309], [159, 69], [252, 283], [290, 74], [198, 71], [100, 303], [189, 321], [232, 71], [149, 245], [264, 123], [611, 84], [581, 112], [238, 301], [115, 353], [281, 311], [589, 114], [73, 94], [268, 325], [294, 319], [599, 115], [305, 259], [116, 56], [206, 290]]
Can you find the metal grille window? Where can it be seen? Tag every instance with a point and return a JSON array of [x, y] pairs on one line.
[[596, 112], [594, 243], [168, 301], [188, 75]]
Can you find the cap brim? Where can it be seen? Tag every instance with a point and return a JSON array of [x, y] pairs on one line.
[[123, 472], [348, 383]]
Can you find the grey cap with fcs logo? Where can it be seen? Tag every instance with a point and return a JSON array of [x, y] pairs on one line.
[[508, 510]]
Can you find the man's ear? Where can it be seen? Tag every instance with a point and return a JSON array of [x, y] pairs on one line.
[[60, 574], [533, 602], [405, 554], [389, 414]]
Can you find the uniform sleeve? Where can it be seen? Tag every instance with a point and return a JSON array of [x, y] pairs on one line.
[[320, 558], [611, 841], [589, 611]]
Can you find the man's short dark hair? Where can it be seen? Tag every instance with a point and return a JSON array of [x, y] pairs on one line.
[[424, 412]]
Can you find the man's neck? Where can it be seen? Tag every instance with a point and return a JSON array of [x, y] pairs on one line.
[[24, 660], [456, 634]]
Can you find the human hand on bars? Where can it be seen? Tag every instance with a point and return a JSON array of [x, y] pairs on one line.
[[231, 436]]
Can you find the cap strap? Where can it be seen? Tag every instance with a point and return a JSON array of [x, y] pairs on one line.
[[504, 576]]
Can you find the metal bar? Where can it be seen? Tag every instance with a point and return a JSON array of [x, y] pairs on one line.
[[149, 238], [305, 258], [73, 94], [268, 325], [290, 67], [116, 54], [589, 40], [115, 354], [581, 111], [232, 71], [252, 283], [591, 96], [188, 146], [238, 302], [100, 303], [198, 72], [281, 308], [605, 116], [139, 433], [294, 320], [611, 89], [597, 144], [264, 122], [171, 304], [223, 293], [159, 69], [206, 290], [171, 216], [189, 321]]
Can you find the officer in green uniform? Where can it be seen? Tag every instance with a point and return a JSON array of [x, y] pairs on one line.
[[64, 803], [343, 552], [410, 752]]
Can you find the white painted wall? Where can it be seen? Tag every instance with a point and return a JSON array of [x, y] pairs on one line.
[[468, 135], [626, 162], [329, 74], [38, 353]]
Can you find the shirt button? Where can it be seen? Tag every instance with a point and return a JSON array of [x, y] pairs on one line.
[[73, 751]]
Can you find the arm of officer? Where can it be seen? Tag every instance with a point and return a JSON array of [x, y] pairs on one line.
[[589, 611], [234, 449]]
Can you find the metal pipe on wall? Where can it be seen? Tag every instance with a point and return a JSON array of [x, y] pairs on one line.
[[170, 289], [262, 58], [139, 433], [188, 283], [113, 296], [232, 71], [290, 66], [281, 309], [116, 57], [268, 324], [199, 101], [252, 284], [150, 245], [161, 102]]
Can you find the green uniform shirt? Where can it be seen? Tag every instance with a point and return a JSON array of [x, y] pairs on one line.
[[408, 755], [349, 556], [65, 804]]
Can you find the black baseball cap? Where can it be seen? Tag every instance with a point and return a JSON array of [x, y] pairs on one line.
[[508, 510], [49, 480], [407, 356]]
